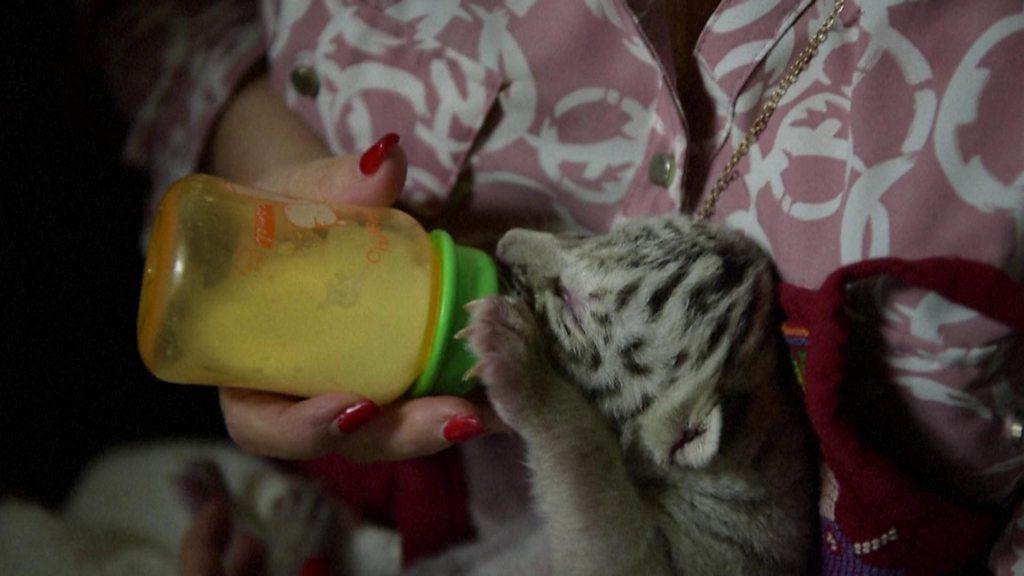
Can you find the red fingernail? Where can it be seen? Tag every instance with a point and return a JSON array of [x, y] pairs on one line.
[[356, 415], [371, 160], [315, 566], [462, 429]]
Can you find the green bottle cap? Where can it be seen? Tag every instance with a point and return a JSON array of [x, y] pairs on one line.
[[467, 274]]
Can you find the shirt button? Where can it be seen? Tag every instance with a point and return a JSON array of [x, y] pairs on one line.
[[661, 170], [305, 81]]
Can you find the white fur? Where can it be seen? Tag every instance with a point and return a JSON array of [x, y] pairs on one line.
[[126, 516]]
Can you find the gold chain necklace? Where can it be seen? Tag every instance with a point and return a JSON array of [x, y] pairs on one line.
[[792, 73]]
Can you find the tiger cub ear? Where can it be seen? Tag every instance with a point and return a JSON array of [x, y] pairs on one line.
[[685, 433], [698, 439]]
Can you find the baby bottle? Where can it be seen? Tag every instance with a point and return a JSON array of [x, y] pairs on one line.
[[245, 288]]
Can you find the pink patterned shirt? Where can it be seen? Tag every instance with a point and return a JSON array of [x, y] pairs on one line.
[[904, 138]]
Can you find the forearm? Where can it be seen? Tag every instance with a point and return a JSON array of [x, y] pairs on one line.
[[583, 488], [258, 134]]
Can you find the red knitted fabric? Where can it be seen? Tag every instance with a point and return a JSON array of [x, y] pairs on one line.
[[933, 534]]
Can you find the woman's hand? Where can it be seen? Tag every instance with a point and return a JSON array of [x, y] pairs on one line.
[[260, 142], [284, 427]]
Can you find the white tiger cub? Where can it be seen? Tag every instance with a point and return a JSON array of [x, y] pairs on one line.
[[644, 371]]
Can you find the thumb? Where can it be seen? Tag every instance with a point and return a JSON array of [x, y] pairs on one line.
[[375, 178]]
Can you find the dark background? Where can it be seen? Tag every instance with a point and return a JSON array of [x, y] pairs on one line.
[[71, 384]]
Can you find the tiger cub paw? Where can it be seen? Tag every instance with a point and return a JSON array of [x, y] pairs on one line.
[[506, 339], [305, 527]]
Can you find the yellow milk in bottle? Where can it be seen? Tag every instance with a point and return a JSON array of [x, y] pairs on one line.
[[242, 288]]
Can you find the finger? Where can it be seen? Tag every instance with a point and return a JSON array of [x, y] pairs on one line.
[[289, 428], [374, 179], [204, 543], [419, 427]]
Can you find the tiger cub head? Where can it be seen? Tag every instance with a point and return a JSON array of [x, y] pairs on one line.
[[660, 322]]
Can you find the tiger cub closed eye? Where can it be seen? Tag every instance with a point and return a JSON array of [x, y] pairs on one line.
[[644, 371]]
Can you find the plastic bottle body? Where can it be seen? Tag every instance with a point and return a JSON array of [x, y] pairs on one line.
[[290, 297]]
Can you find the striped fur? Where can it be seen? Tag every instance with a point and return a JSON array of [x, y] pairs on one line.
[[657, 304], [668, 329]]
